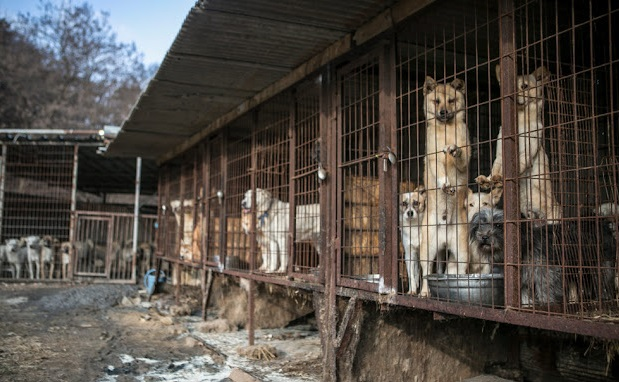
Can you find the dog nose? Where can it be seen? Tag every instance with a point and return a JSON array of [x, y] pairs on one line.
[[484, 238], [410, 213]]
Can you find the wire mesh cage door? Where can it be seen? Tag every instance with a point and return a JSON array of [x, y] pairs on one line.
[[358, 174], [93, 246], [305, 161]]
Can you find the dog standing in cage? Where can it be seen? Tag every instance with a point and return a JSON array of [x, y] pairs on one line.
[[33, 249], [412, 208], [48, 255], [446, 175], [272, 227], [536, 195], [16, 255]]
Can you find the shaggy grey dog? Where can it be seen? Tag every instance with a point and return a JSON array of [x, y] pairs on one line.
[[486, 240], [541, 274], [576, 258]]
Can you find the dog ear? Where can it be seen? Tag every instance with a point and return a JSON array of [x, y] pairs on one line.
[[497, 71], [458, 84], [496, 193], [541, 74], [421, 189], [429, 85]]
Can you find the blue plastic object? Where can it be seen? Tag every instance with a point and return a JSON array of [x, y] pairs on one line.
[[149, 280]]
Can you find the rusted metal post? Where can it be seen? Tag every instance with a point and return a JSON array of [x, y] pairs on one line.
[[205, 197], [251, 306], [388, 176], [510, 150], [329, 261]]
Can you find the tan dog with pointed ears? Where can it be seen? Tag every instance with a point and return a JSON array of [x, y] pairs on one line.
[[444, 225], [536, 196]]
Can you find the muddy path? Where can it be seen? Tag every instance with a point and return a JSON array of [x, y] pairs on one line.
[[111, 333]]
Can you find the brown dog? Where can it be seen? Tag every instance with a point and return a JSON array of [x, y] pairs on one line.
[[536, 196], [444, 225]]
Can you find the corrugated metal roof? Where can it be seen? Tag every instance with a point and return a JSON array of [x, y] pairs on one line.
[[228, 51]]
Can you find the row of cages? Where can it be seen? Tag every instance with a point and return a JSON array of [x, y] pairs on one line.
[[40, 206], [465, 163]]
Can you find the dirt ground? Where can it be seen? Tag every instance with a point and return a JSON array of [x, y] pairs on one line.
[[53, 332]]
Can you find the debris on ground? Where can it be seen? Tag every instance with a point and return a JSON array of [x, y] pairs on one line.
[[108, 333], [259, 352]]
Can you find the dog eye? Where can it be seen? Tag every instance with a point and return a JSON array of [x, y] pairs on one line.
[[524, 86], [497, 225], [437, 101], [484, 204], [471, 205], [404, 204], [415, 203], [452, 100]]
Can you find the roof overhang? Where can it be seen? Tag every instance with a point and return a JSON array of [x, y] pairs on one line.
[[231, 55]]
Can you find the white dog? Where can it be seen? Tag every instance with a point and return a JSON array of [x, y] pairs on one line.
[[272, 227], [34, 255], [15, 254], [412, 207]]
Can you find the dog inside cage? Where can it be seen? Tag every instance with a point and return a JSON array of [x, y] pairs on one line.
[[559, 155]]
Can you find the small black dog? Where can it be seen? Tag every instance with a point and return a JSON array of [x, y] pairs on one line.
[[555, 259]]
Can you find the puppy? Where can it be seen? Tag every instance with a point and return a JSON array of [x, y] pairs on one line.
[[486, 241], [536, 194], [446, 174], [272, 227], [412, 207]]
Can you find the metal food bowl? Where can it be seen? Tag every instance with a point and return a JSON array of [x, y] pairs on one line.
[[473, 289]]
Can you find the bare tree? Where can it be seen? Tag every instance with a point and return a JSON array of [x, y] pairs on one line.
[[24, 81], [84, 77]]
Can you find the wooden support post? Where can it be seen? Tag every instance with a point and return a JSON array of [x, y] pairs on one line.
[[206, 290]]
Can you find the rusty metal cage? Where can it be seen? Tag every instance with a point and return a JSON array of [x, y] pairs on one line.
[[238, 254], [305, 161], [413, 209], [358, 145]]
